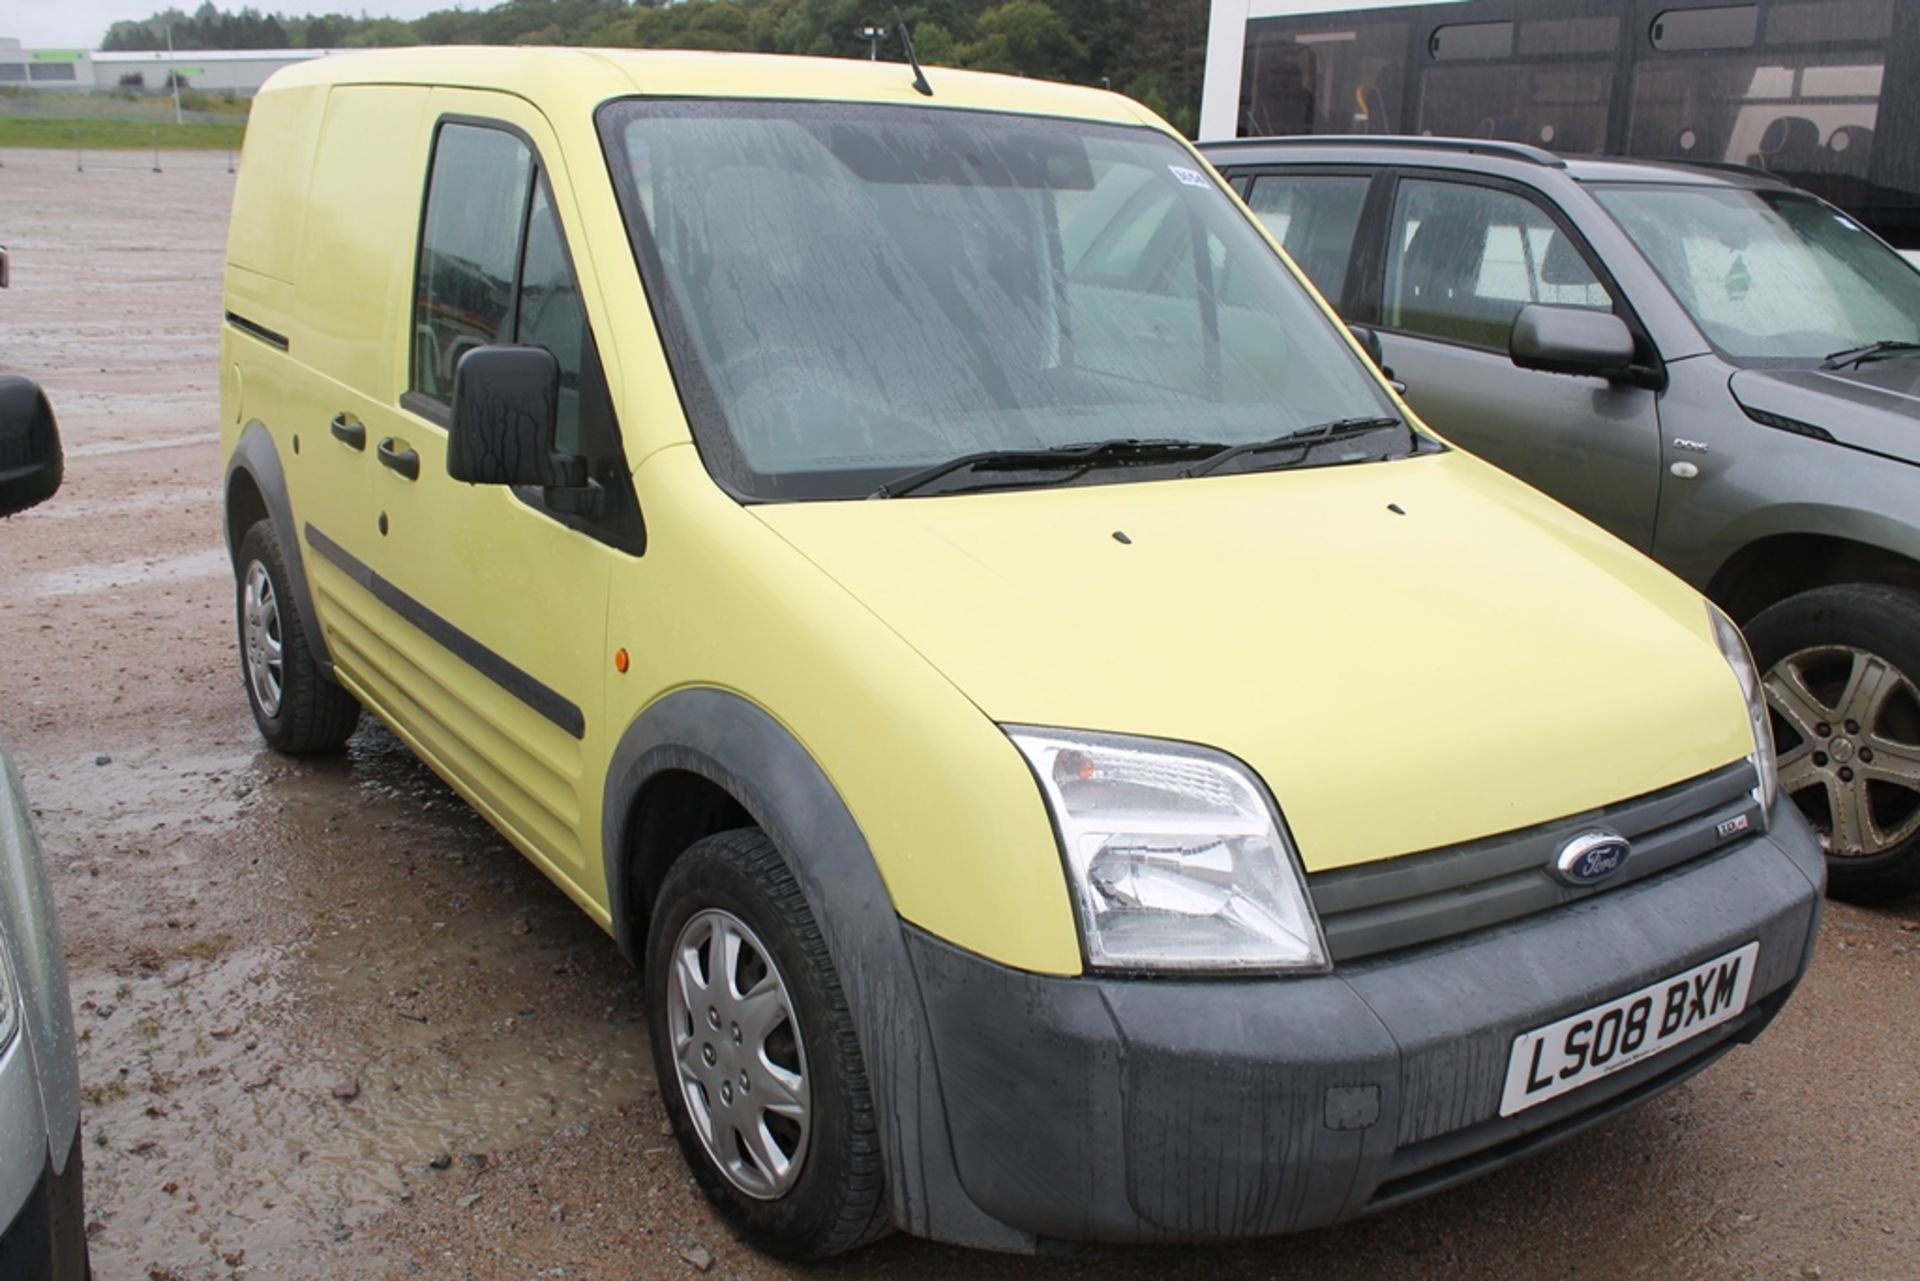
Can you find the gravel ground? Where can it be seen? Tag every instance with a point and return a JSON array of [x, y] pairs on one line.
[[333, 1027]]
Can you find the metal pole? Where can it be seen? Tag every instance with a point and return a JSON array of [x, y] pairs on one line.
[[173, 77], [156, 151]]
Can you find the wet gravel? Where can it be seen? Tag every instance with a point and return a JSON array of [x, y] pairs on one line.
[[333, 1027]]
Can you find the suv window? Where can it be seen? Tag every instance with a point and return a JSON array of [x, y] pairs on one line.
[[1315, 218], [1462, 260]]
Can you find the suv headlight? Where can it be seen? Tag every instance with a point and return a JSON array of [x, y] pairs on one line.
[[1176, 858], [1740, 658]]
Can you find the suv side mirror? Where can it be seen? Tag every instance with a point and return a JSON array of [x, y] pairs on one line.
[[506, 409], [1571, 340], [30, 460]]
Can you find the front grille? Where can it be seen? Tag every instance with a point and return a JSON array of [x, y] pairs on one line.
[[1439, 894]]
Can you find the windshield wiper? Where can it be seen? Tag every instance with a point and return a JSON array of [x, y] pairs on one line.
[[1872, 351], [1303, 439], [1084, 456]]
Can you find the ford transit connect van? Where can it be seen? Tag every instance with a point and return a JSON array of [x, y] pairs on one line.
[[1074, 757]]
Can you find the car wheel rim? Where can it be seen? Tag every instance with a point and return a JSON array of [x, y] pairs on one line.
[[266, 658], [738, 1054], [1846, 724]]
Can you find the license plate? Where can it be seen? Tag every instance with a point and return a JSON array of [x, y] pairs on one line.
[[1549, 1061]]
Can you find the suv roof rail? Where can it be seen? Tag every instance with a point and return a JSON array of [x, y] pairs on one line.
[[1716, 166], [1472, 146]]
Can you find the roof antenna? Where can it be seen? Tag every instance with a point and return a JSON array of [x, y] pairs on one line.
[[906, 42]]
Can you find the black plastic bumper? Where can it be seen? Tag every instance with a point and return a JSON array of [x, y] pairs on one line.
[[48, 1237], [1119, 1110]]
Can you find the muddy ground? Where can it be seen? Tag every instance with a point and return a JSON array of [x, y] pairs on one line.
[[333, 1027]]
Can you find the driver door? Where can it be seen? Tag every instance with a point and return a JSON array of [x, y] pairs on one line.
[[498, 604]]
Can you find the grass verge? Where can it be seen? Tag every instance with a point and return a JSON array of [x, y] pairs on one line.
[[119, 135]]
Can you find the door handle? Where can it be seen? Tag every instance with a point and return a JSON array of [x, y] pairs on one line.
[[397, 457], [350, 430]]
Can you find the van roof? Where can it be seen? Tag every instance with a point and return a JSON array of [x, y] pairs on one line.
[[565, 81]]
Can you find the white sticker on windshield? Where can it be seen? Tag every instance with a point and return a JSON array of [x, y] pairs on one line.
[[1191, 177]]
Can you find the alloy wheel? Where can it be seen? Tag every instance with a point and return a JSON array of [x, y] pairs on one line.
[[1846, 725]]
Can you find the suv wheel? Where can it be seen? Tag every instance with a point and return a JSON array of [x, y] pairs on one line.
[[1841, 665], [755, 1053], [296, 706]]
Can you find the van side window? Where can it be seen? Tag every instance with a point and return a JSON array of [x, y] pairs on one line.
[[550, 314], [494, 268], [469, 248]]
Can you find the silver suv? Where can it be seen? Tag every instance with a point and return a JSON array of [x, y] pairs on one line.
[[1720, 369], [42, 1226]]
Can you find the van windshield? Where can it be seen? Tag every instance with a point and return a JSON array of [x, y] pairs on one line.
[[852, 294]]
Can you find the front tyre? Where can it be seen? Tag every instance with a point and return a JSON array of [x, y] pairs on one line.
[[297, 707], [755, 1053], [1841, 664]]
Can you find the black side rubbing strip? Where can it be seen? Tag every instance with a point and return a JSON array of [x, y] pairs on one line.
[[261, 332], [540, 698]]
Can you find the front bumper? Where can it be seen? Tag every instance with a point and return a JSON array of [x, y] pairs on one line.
[[48, 1236], [1132, 1110]]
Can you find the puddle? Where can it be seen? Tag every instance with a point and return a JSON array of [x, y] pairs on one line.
[[108, 448], [70, 506], [356, 978], [144, 571]]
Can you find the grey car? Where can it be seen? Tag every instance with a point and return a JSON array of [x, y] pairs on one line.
[[42, 1224], [1720, 369]]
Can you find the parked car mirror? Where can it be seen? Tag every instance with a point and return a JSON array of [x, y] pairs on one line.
[[506, 408], [1571, 340], [1370, 340], [30, 460], [6, 272]]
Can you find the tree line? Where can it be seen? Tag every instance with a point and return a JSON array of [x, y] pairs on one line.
[[1153, 50]]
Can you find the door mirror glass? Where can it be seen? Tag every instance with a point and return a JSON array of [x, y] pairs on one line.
[[30, 458], [1571, 340], [506, 407]]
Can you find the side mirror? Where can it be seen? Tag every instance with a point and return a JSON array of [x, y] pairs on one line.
[[1571, 340], [6, 273], [1370, 340], [30, 460], [506, 409]]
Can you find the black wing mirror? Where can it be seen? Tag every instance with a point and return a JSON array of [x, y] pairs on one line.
[[30, 460], [506, 408], [1370, 341], [1571, 340]]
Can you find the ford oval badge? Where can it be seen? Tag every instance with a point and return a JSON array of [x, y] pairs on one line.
[[1591, 857]]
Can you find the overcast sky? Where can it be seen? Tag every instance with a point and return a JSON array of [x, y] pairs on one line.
[[79, 24]]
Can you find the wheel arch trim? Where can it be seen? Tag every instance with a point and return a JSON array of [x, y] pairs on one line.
[[257, 458], [739, 747]]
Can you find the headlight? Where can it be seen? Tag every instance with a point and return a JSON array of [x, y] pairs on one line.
[[1740, 658], [1175, 855]]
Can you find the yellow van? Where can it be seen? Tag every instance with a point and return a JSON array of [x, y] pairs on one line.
[[1074, 757]]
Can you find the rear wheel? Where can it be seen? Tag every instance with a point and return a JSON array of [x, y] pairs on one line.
[[755, 1053], [1841, 665], [297, 707]]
